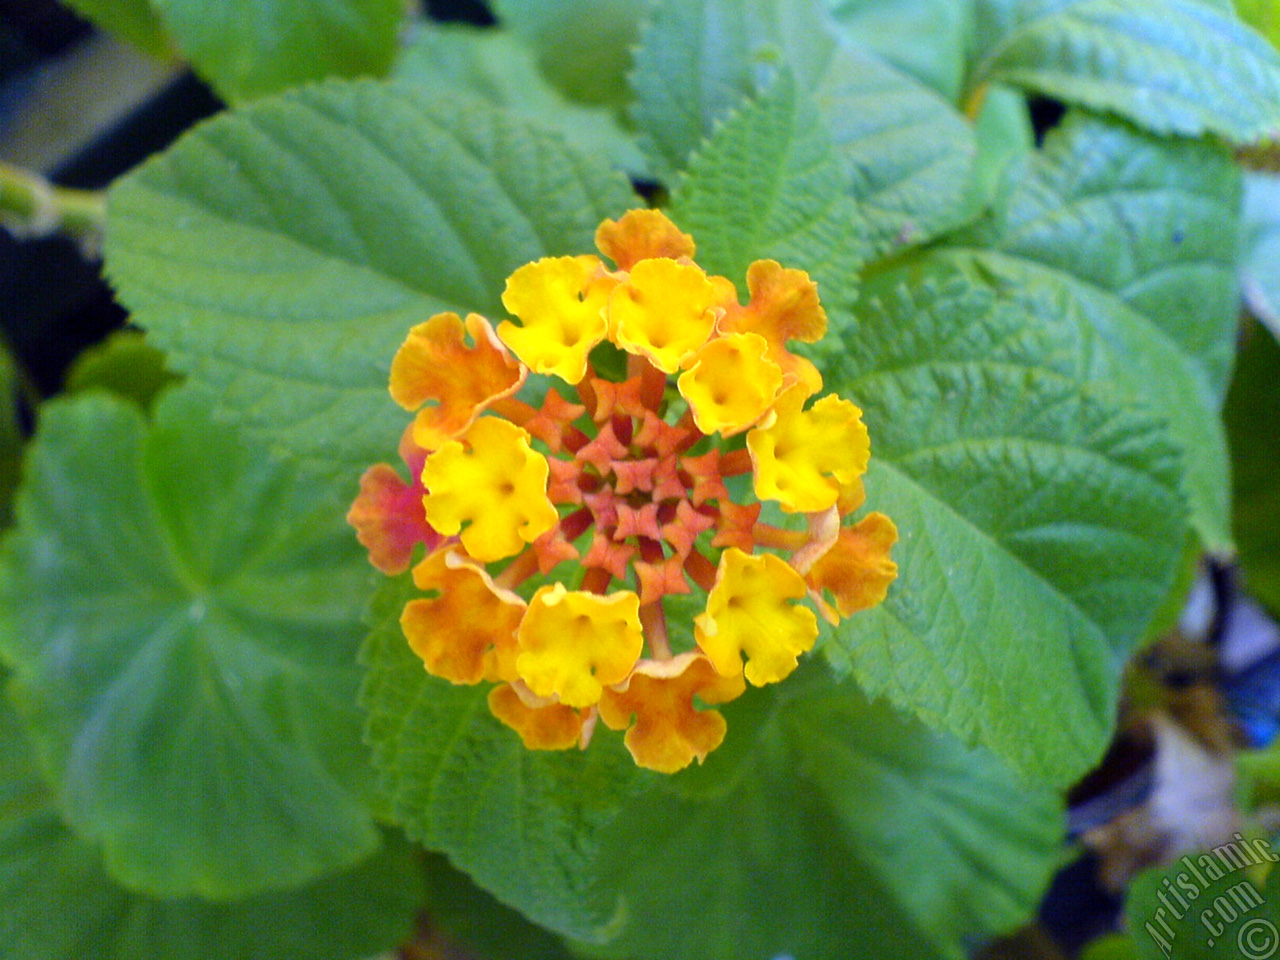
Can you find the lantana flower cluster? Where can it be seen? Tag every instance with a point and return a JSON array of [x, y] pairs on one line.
[[560, 518]]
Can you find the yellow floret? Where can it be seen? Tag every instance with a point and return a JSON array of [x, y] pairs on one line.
[[493, 483], [749, 612], [804, 459], [573, 643]]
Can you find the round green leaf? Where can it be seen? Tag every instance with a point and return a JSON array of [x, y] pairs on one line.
[[583, 45], [494, 67], [57, 901], [135, 21], [181, 613], [280, 253], [927, 40]]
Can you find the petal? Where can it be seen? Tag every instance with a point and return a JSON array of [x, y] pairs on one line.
[[573, 643], [389, 519], [668, 732], [560, 302], [784, 306], [857, 570], [749, 613], [553, 727], [642, 235], [467, 632], [663, 311], [731, 383], [804, 459], [434, 365], [495, 484]]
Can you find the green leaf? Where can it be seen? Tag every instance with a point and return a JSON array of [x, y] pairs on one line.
[[251, 48], [1115, 946], [11, 434], [57, 901], [767, 184], [841, 823], [134, 21], [181, 613], [525, 825], [1137, 235], [500, 71], [584, 46], [1252, 412], [1005, 136], [1260, 263], [929, 41], [124, 364], [1038, 513], [1207, 906], [282, 252], [1172, 66], [1258, 784], [1263, 16], [487, 928], [823, 820], [908, 153]]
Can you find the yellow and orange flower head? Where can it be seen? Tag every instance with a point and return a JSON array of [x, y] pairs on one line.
[[553, 534]]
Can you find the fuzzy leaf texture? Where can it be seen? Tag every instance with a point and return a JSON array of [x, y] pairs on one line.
[[1172, 66], [251, 48], [1136, 236], [794, 833], [1039, 515], [767, 185], [181, 614], [280, 252], [56, 900], [907, 152]]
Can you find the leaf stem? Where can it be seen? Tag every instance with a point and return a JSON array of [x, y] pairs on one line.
[[32, 206]]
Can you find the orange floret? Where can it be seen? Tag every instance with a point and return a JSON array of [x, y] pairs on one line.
[[642, 235], [856, 570], [784, 306], [435, 366], [467, 632], [668, 731], [550, 727]]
